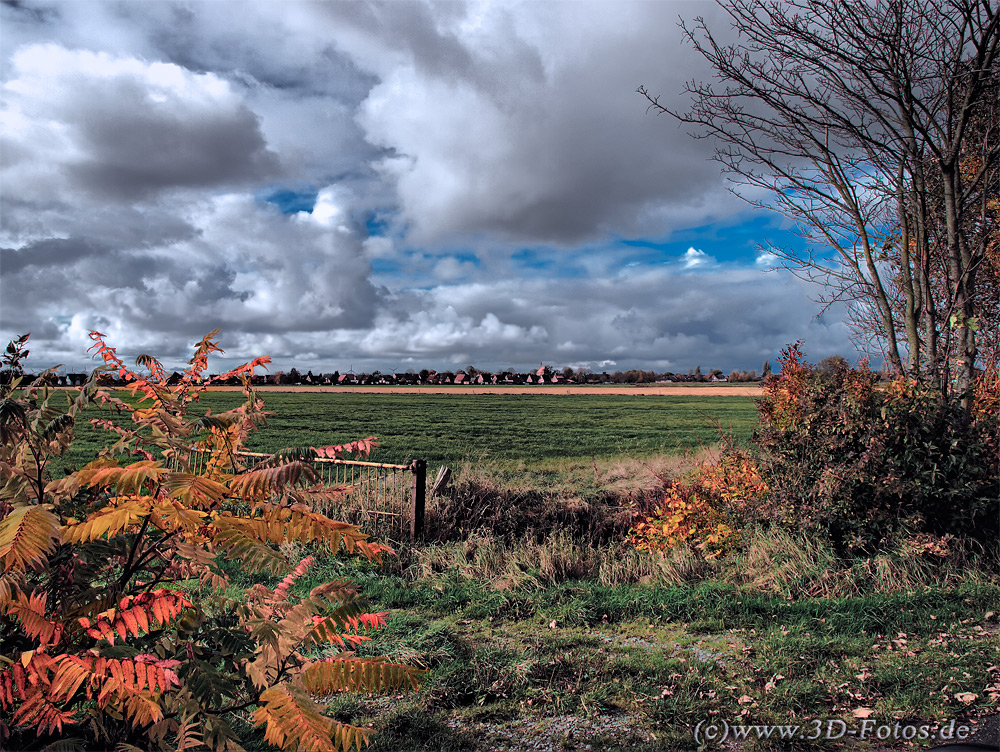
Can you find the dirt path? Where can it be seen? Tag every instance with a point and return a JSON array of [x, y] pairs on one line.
[[681, 390]]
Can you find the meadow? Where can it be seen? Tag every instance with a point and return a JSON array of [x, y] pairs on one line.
[[541, 637], [542, 628], [530, 432]]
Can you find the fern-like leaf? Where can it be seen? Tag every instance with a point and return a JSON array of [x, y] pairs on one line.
[[132, 686], [327, 631], [70, 674], [65, 745], [318, 496], [9, 585], [280, 593], [121, 513], [13, 418], [305, 526], [172, 515], [154, 366], [245, 369], [217, 422], [245, 540], [242, 536], [263, 483], [30, 611], [187, 735], [362, 447], [29, 680], [335, 675], [12, 684], [119, 692], [198, 561], [199, 361], [136, 614], [129, 479], [195, 490], [56, 426], [27, 536], [41, 712], [293, 722]]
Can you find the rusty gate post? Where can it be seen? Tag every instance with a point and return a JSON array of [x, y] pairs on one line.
[[417, 498]]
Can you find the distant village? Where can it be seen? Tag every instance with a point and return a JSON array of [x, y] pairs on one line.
[[470, 376]]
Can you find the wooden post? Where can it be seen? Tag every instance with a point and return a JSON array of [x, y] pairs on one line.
[[417, 498], [441, 482]]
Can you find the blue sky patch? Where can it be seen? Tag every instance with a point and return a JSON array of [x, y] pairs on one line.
[[291, 202]]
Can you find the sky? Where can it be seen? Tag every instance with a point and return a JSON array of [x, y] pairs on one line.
[[379, 185]]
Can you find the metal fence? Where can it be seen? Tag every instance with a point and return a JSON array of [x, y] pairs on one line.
[[386, 501]]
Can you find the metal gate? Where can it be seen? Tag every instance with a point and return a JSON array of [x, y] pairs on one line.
[[385, 501]]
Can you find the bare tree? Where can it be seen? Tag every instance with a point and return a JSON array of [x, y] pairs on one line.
[[873, 126]]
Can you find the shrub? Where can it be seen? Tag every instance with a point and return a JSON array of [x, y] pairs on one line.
[[117, 620], [705, 509], [685, 516], [857, 460]]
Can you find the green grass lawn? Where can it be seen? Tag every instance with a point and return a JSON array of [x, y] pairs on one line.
[[632, 667], [528, 430]]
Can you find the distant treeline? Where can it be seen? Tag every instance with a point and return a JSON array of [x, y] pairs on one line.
[[466, 376]]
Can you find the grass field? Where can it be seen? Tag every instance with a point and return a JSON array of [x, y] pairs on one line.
[[531, 431], [581, 665], [549, 642]]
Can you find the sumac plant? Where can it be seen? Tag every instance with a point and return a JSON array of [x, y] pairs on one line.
[[118, 626]]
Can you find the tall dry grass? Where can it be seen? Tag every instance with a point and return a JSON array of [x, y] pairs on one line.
[[771, 561], [493, 527]]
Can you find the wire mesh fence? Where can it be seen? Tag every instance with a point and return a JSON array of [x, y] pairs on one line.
[[385, 501]]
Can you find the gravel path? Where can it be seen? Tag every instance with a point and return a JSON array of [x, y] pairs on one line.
[[556, 733]]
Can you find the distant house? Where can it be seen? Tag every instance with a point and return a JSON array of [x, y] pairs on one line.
[[460, 378]]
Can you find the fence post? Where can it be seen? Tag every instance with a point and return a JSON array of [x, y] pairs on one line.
[[417, 498]]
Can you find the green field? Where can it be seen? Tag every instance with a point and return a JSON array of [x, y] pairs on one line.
[[534, 430]]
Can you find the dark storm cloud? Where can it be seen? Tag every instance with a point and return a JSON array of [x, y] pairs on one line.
[[120, 128], [519, 130], [139, 141], [49, 253], [134, 148], [419, 32]]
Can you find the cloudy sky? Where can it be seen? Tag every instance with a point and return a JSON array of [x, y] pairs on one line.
[[377, 185]]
